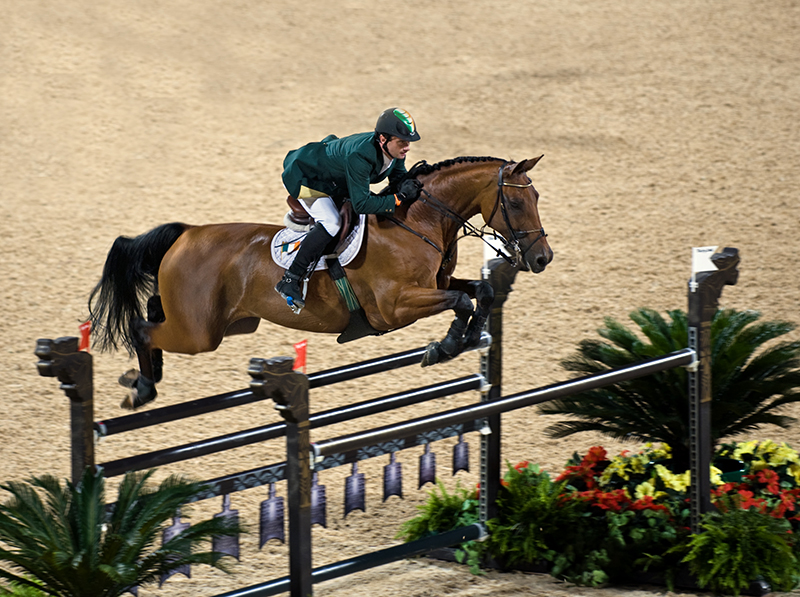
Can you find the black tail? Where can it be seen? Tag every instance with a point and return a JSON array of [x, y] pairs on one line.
[[129, 279]]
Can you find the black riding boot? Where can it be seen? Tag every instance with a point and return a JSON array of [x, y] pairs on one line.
[[311, 249]]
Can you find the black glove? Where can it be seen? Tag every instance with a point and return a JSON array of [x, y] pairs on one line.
[[408, 191]]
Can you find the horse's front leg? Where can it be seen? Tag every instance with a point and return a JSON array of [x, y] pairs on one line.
[[483, 293], [453, 343], [414, 303]]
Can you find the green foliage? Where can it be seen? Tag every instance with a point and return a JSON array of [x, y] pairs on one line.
[[750, 382], [739, 545], [533, 516], [442, 512], [66, 538], [605, 520], [17, 590]]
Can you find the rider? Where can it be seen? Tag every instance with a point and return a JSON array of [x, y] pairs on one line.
[[322, 175]]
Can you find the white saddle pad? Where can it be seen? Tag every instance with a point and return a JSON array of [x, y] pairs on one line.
[[287, 241]]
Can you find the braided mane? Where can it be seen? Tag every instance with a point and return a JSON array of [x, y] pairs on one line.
[[424, 167]]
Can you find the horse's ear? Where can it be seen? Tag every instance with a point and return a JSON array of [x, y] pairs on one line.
[[526, 165]]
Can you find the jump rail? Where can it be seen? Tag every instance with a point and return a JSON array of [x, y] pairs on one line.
[[275, 379], [289, 389]]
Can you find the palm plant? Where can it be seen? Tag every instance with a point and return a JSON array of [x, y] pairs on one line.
[[69, 540], [750, 382]]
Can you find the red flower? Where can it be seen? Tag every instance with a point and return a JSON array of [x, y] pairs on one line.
[[769, 478], [748, 501], [646, 503], [606, 500], [595, 454], [785, 503], [521, 466], [723, 489], [585, 470]]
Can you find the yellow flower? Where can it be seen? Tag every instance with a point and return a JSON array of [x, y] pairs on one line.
[[662, 453], [639, 463], [716, 476], [783, 454], [648, 488], [765, 448], [745, 448], [672, 481], [617, 466], [794, 471]]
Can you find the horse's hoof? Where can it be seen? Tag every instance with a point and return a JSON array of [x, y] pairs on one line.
[[450, 348], [141, 393], [128, 379], [128, 402], [431, 356]]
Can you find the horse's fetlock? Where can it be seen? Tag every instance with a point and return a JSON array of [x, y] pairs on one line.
[[473, 334], [484, 294]]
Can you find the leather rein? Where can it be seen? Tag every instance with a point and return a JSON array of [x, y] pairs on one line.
[[510, 247]]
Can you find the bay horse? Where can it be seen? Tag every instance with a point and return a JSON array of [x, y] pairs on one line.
[[217, 280]]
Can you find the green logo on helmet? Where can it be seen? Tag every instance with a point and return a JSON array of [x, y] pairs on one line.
[[406, 119]]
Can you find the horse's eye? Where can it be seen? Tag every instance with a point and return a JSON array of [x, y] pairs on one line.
[[515, 203]]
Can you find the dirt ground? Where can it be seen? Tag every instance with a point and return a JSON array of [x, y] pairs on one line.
[[664, 125]]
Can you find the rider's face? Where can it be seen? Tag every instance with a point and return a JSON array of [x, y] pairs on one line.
[[397, 148]]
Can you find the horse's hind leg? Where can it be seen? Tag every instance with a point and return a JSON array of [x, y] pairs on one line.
[[155, 314], [142, 383]]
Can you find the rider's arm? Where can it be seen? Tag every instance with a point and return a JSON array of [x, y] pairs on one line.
[[363, 200]]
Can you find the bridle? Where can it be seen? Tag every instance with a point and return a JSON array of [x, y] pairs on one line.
[[516, 235], [510, 251]]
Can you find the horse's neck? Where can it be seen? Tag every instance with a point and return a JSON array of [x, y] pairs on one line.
[[462, 191]]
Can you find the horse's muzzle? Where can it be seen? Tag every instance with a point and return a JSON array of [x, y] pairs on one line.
[[536, 261]]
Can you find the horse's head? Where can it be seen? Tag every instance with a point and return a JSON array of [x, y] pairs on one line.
[[511, 208]]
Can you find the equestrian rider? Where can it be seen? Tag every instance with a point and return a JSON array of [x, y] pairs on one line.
[[322, 175]]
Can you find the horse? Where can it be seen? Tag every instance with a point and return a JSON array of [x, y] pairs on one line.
[[199, 284]]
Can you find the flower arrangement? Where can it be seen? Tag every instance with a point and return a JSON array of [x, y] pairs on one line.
[[608, 519]]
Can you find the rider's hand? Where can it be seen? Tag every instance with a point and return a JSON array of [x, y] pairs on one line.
[[408, 192]]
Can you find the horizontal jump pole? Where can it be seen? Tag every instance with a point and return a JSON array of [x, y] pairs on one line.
[[210, 404], [364, 562], [456, 416], [260, 434]]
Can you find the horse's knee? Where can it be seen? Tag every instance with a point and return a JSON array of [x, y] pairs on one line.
[[463, 307], [484, 294]]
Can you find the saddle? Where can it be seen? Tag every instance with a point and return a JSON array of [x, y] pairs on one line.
[[299, 219]]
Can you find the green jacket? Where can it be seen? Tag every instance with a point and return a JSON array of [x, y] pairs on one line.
[[343, 168]]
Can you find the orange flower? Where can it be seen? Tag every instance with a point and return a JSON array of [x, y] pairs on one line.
[[521, 466]]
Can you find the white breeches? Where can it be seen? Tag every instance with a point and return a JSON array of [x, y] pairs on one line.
[[324, 212]]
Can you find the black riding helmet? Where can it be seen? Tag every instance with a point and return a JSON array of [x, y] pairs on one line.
[[397, 123]]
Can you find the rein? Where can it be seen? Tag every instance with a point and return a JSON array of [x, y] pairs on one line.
[[471, 230]]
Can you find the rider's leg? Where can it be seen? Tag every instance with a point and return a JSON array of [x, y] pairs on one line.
[[324, 212]]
